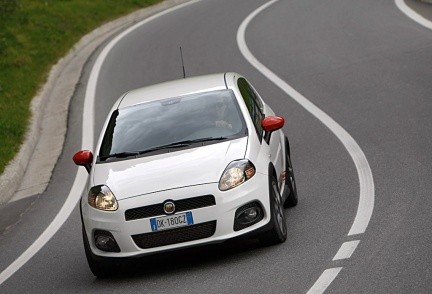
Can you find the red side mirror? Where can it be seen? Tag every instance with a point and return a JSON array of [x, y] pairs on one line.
[[272, 123], [83, 158]]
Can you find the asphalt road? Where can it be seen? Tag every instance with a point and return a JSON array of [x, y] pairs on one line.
[[364, 63]]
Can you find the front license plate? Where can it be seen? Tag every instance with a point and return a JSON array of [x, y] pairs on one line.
[[171, 221]]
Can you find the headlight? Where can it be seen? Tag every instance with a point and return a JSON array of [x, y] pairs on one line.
[[102, 198], [236, 173]]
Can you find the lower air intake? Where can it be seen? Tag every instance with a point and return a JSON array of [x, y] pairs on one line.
[[174, 236]]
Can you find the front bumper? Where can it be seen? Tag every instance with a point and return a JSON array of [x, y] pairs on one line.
[[130, 235]]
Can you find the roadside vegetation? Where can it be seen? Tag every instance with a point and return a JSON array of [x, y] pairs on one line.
[[34, 34]]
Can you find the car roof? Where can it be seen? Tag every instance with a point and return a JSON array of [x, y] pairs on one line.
[[175, 88]]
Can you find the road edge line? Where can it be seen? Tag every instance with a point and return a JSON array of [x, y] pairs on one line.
[[367, 188], [403, 7], [87, 142]]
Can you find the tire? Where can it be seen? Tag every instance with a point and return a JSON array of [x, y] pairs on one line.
[[290, 183], [278, 232], [101, 267]]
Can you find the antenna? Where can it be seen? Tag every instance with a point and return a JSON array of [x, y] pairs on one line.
[[181, 55]]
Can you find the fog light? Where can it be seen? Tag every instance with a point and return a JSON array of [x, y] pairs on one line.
[[102, 241], [248, 215], [105, 241], [251, 213]]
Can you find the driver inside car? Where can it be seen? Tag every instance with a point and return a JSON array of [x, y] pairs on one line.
[[222, 117]]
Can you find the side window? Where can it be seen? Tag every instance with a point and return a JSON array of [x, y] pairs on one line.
[[257, 99], [253, 104]]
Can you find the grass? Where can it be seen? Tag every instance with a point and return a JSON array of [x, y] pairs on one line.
[[33, 36]]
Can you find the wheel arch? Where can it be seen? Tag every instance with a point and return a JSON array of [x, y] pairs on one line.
[[287, 146], [271, 172]]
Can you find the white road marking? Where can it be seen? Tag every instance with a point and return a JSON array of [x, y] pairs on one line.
[[63, 214], [324, 280], [413, 15], [346, 250], [70, 203], [367, 188], [87, 143]]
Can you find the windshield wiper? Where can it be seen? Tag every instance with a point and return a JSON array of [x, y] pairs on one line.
[[207, 139], [167, 146], [120, 155], [178, 144], [183, 143]]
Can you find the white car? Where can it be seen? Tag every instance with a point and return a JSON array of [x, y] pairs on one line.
[[185, 163]]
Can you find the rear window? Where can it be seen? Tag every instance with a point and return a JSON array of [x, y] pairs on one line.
[[149, 125]]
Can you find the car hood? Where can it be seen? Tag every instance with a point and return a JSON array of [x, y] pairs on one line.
[[195, 166]]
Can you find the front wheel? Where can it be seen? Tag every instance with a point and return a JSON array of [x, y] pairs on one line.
[[278, 233], [290, 183]]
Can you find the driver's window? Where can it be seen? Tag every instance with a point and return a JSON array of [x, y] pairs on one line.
[[253, 104]]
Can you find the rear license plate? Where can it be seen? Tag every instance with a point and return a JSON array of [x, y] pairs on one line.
[[171, 221]]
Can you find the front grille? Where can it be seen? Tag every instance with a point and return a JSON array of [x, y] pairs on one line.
[[178, 235], [181, 205]]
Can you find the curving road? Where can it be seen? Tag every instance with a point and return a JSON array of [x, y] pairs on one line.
[[363, 63]]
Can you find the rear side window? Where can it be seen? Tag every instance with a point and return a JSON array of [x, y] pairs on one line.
[[254, 105]]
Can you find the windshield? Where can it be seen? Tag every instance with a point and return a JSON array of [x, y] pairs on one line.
[[209, 116]]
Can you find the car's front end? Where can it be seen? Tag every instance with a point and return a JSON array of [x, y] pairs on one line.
[[188, 198]]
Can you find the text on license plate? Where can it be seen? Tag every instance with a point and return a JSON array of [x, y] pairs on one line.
[[171, 221]]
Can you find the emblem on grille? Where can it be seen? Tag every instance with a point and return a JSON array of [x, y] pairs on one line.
[[169, 207]]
